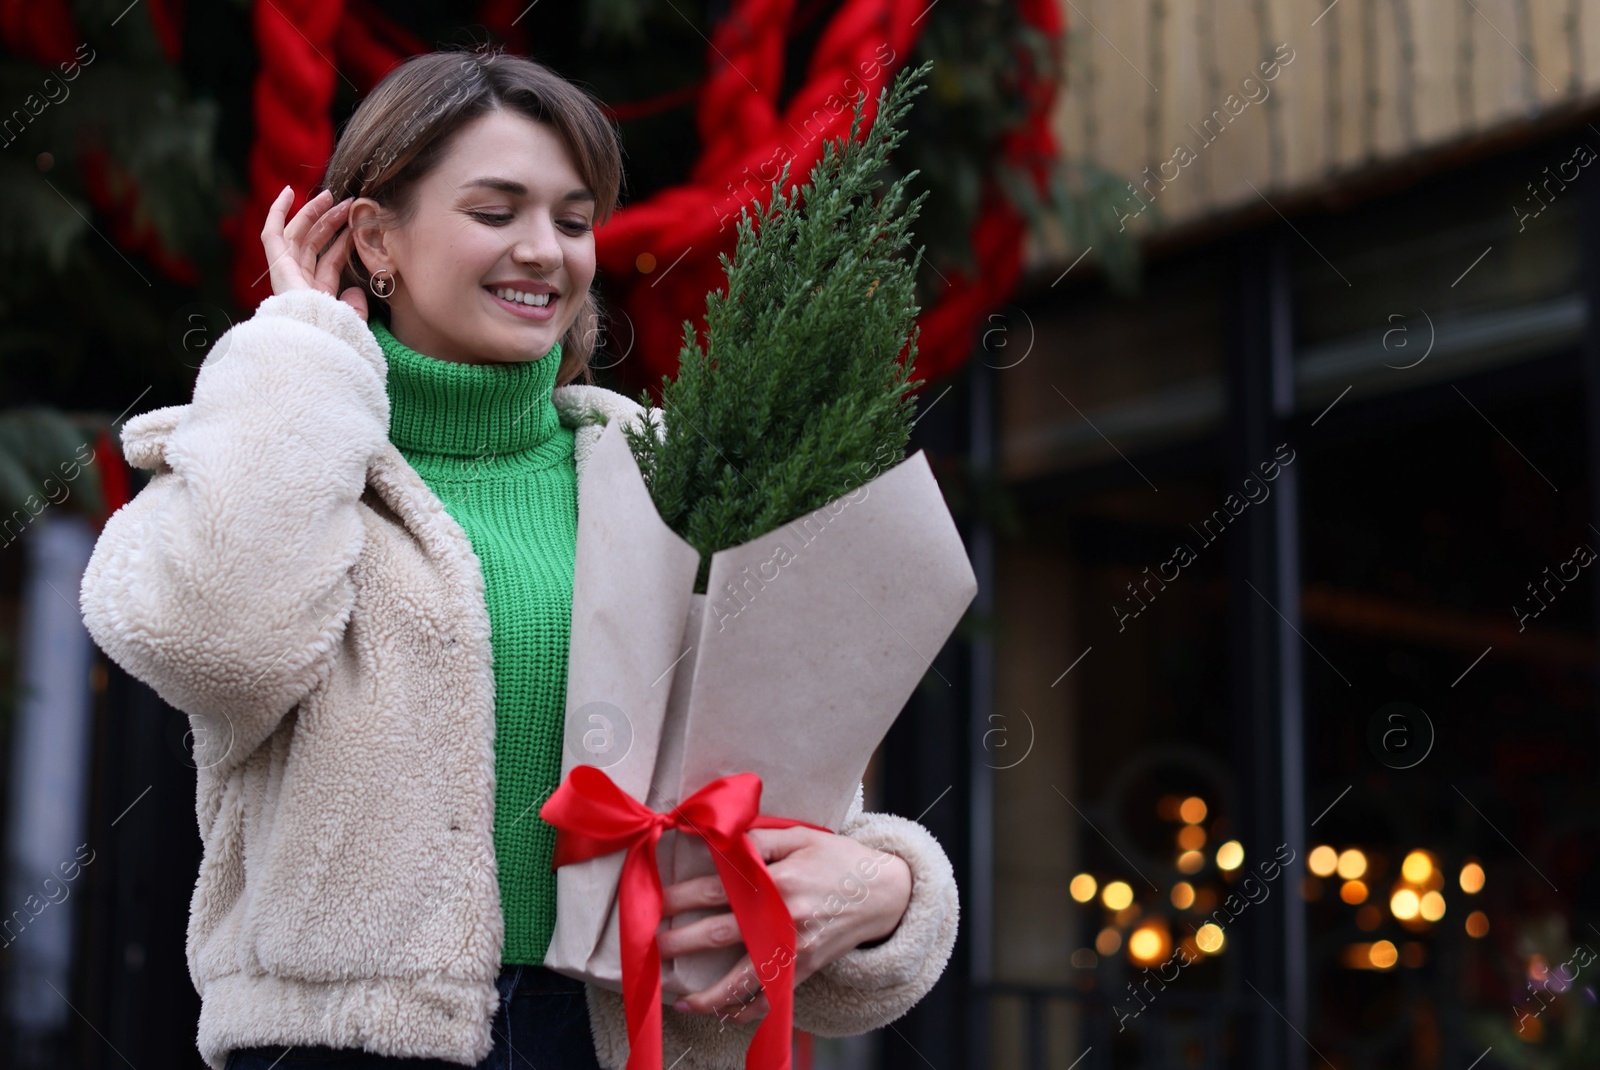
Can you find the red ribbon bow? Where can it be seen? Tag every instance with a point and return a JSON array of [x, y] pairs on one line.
[[594, 817]]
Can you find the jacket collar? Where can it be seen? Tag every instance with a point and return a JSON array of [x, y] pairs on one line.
[[586, 409]]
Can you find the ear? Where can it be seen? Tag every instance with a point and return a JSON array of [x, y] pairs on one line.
[[368, 235]]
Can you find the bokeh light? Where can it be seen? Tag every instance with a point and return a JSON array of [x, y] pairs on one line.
[[1323, 860], [1117, 896], [1417, 867], [1192, 810], [1404, 904], [1352, 864], [1149, 944], [1082, 887]]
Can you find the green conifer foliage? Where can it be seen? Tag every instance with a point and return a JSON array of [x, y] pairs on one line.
[[799, 396]]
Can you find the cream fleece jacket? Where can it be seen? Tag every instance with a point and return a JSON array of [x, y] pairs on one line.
[[291, 584]]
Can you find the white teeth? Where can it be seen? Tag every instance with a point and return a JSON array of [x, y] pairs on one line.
[[536, 300]]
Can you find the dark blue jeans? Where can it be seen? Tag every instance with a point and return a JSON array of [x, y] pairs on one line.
[[542, 1024]]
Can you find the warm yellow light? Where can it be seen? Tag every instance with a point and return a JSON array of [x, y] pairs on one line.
[[1209, 938], [1417, 867], [1082, 887], [1191, 837], [1323, 860], [1352, 864], [1472, 878], [1404, 904], [1477, 924], [1148, 945], [1108, 942], [1193, 810], [1353, 892], [1117, 895], [1382, 955], [1191, 862], [1432, 907], [1183, 895], [1230, 855]]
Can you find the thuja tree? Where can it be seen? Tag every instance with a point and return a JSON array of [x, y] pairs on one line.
[[799, 395]]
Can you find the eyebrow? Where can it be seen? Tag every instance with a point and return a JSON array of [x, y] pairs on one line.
[[506, 185]]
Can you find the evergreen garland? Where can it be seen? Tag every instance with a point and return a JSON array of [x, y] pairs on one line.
[[799, 396]]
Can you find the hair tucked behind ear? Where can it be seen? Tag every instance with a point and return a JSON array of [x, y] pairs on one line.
[[402, 130]]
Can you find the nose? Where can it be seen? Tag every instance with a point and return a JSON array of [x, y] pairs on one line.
[[537, 246]]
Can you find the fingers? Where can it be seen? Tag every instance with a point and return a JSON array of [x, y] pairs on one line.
[[300, 226], [272, 230], [356, 298], [775, 843], [698, 892], [328, 223], [332, 262], [718, 930], [737, 996], [295, 254]]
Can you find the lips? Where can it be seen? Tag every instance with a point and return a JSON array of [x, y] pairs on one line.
[[533, 298], [517, 303]]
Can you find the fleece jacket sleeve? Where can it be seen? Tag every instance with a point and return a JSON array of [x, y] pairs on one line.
[[870, 986], [225, 584]]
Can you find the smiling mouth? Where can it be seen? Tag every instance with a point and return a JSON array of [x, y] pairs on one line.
[[522, 297]]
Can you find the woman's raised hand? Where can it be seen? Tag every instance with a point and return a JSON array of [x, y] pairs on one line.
[[292, 250]]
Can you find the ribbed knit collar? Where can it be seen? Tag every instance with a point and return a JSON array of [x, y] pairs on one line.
[[445, 408]]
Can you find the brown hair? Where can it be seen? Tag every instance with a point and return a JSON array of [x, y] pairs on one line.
[[404, 127]]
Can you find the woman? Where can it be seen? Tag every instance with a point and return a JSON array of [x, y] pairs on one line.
[[352, 569]]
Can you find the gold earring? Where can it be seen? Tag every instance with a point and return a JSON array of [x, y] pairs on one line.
[[381, 287]]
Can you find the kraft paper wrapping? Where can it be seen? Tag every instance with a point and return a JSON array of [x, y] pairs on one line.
[[793, 666]]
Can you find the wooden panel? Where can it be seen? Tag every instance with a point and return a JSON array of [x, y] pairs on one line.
[[1502, 80], [1436, 54], [1157, 90], [1298, 90]]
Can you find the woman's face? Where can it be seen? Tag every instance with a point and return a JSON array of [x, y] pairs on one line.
[[503, 217]]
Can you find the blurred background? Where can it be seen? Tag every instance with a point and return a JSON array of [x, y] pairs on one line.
[[1263, 378]]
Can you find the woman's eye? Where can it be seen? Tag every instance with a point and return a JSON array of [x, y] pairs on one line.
[[576, 226]]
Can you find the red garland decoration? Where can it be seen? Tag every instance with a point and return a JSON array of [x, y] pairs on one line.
[[294, 133], [370, 45], [167, 18], [116, 196], [113, 475], [42, 30], [661, 255]]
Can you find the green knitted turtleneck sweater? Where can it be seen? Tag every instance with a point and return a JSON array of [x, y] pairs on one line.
[[487, 440]]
